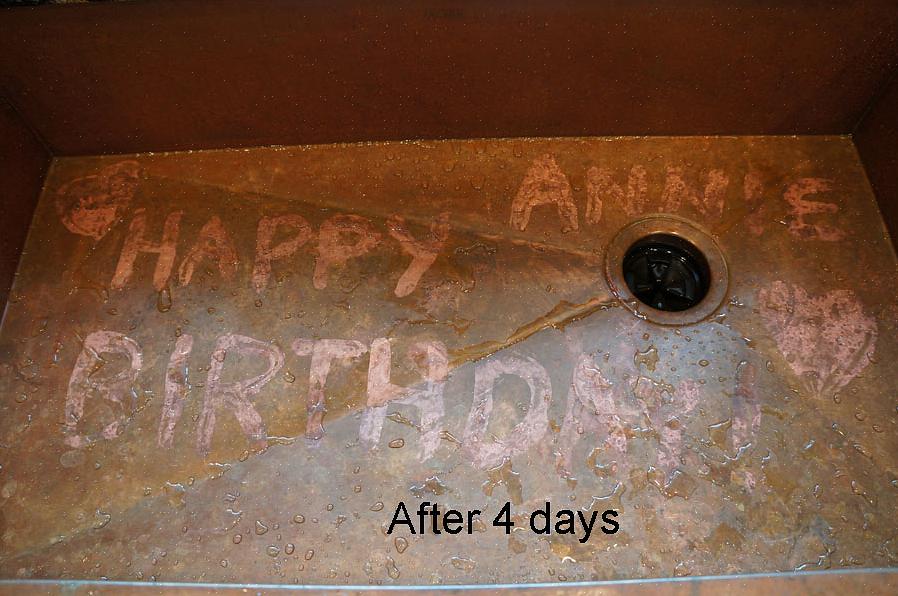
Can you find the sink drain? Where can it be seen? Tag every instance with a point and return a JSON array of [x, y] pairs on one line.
[[667, 270]]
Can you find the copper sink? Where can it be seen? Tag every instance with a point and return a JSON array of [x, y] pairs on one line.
[[274, 269]]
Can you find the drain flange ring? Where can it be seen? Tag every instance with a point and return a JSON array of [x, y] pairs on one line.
[[697, 276]]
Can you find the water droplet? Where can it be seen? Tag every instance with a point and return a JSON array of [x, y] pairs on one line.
[[718, 432], [103, 519], [176, 494], [677, 484], [272, 550], [237, 538], [289, 548], [309, 554], [448, 436], [163, 300], [505, 475], [379, 506], [463, 563], [392, 570], [261, 528], [397, 443], [223, 562], [299, 518], [72, 458], [432, 485], [401, 544], [398, 418], [682, 569], [703, 362], [648, 358]]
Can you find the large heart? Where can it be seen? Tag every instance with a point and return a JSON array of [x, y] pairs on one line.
[[827, 340]]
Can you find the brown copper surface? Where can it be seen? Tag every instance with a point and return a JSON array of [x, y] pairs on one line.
[[876, 139], [760, 439], [23, 164], [109, 77]]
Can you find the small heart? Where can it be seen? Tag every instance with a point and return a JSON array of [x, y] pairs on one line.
[[91, 206]]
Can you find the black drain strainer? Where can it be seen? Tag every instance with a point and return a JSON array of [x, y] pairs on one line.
[[666, 272]]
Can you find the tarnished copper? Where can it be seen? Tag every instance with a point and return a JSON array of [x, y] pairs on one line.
[[230, 366]]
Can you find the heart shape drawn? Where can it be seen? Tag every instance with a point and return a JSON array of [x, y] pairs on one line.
[[91, 206], [827, 339]]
